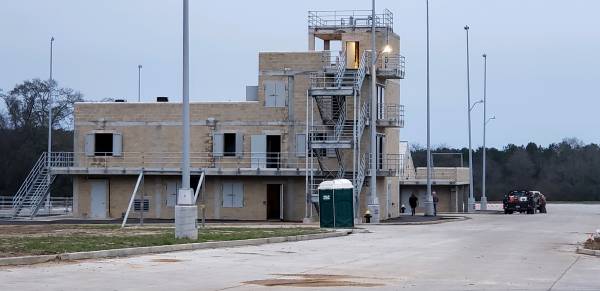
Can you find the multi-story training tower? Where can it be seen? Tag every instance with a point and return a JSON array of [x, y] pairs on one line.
[[262, 158]]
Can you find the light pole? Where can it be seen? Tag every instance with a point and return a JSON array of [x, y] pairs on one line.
[[429, 199], [50, 86], [483, 196], [139, 82], [186, 212], [483, 201], [373, 201], [471, 199]]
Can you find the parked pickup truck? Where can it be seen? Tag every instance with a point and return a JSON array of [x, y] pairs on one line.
[[521, 201]]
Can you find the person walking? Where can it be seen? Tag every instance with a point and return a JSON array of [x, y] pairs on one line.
[[436, 199], [413, 201]]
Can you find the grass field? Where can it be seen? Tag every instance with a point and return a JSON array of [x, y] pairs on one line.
[[23, 240]]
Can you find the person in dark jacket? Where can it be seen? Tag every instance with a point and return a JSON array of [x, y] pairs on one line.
[[413, 201]]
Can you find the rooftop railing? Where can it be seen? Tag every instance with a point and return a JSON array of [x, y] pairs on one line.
[[349, 19]]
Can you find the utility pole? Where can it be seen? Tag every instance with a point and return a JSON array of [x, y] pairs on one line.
[[373, 199], [186, 212], [471, 200], [429, 199], [139, 82]]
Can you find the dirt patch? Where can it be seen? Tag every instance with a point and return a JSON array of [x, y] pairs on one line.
[[592, 244], [315, 280]]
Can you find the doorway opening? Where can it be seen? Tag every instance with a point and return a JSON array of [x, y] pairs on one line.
[[352, 55], [274, 202], [273, 151]]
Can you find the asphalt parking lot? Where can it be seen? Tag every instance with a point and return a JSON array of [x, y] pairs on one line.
[[487, 252]]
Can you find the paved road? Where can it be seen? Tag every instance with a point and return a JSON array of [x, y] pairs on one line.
[[487, 252]]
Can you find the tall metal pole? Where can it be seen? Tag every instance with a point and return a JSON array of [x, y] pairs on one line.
[[50, 87], [186, 211], [471, 200], [483, 196], [373, 201], [429, 199], [139, 82], [185, 181]]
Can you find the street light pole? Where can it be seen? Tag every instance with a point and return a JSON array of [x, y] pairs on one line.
[[186, 212], [429, 211], [373, 200], [50, 86], [471, 199], [139, 82], [483, 201]]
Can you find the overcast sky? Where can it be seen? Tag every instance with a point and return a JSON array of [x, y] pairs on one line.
[[543, 65]]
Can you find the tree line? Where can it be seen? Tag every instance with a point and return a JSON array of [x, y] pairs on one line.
[[24, 130], [564, 171]]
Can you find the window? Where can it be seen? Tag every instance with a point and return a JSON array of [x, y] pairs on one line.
[[275, 93], [137, 205], [229, 145], [103, 144], [233, 195]]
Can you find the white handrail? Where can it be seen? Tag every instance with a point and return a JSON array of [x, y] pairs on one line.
[[200, 184]]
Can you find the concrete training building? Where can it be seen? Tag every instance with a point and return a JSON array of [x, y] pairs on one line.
[[249, 158]]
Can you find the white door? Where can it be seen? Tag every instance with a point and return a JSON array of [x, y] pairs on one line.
[[258, 146], [99, 196]]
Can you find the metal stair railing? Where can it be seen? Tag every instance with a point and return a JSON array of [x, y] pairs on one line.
[[341, 68], [340, 158], [19, 197], [363, 118], [40, 195], [362, 70], [341, 122], [361, 174]]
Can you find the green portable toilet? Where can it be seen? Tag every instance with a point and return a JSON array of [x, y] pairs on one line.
[[336, 204]]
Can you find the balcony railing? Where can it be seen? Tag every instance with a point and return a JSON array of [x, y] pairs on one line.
[[392, 65], [391, 113], [387, 163], [349, 19]]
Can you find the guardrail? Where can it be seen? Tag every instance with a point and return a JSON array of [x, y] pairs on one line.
[[349, 19], [52, 206], [321, 80]]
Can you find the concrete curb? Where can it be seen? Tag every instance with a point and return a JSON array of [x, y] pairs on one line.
[[458, 218], [29, 260], [588, 252]]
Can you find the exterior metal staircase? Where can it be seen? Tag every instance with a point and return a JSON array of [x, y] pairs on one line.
[[337, 133], [34, 190]]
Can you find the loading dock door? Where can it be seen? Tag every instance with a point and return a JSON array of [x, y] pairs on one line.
[[98, 199]]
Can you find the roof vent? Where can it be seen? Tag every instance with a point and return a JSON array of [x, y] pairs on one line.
[[162, 99], [120, 100]]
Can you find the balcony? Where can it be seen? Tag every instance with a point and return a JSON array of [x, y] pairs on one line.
[[390, 115], [391, 66]]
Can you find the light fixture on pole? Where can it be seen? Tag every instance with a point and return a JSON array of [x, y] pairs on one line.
[[429, 210], [139, 82], [186, 212], [50, 87], [373, 203]]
